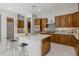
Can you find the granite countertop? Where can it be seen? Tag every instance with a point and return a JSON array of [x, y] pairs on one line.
[[65, 33], [33, 37]]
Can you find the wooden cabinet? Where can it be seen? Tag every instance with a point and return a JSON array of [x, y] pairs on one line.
[[68, 39], [64, 39], [63, 21], [76, 19], [45, 46], [20, 23], [55, 38], [73, 41], [42, 22], [57, 21], [37, 22], [77, 48], [69, 20]]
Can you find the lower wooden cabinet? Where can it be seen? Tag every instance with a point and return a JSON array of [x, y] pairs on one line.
[[73, 41], [45, 46], [55, 38], [68, 40], [64, 39], [77, 47], [77, 50]]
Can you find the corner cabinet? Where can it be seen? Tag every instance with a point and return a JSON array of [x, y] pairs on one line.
[[45, 46]]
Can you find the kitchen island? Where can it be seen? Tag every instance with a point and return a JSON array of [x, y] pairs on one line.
[[70, 39], [38, 44]]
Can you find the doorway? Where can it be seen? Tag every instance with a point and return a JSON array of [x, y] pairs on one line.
[[10, 28], [29, 25]]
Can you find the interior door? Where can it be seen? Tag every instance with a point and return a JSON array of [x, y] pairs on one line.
[[10, 28]]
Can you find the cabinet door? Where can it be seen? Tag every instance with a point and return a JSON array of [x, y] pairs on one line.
[[45, 46], [69, 20], [77, 47], [57, 21], [44, 22], [76, 19], [20, 23], [62, 39], [73, 41], [57, 38], [52, 39], [63, 21], [68, 40], [37, 22]]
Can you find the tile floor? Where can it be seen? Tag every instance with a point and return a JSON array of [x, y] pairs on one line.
[[56, 50], [61, 50]]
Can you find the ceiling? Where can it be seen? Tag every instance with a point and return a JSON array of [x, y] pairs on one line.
[[35, 8]]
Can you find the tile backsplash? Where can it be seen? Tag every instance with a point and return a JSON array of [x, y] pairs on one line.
[[68, 30]]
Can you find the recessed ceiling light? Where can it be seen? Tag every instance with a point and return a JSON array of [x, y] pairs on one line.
[[39, 9]]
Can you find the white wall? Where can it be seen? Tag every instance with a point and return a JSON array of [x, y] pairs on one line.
[[32, 22], [59, 12], [5, 14]]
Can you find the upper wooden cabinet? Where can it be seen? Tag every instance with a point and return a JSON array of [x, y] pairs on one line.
[[37, 21], [60, 21], [76, 19], [20, 23], [57, 21], [42, 22], [69, 20]]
